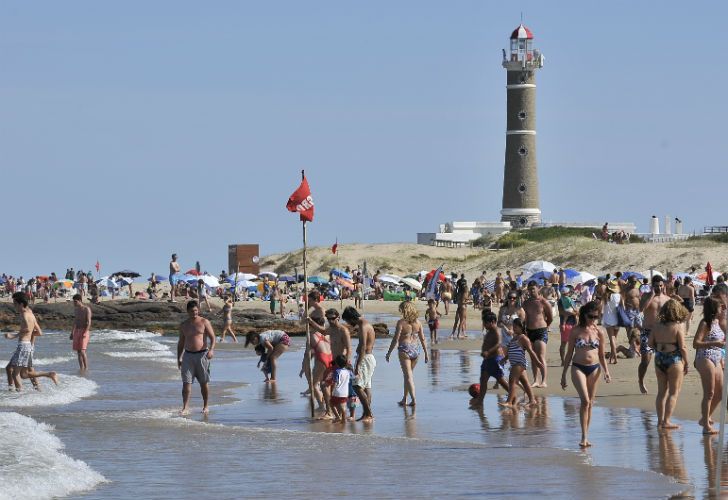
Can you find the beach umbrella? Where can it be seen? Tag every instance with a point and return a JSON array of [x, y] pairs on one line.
[[412, 283], [247, 284], [107, 282], [125, 281], [628, 274], [63, 284], [580, 277], [287, 279], [2, 280], [570, 273], [441, 277], [650, 273], [158, 277], [268, 274], [241, 276], [709, 275], [540, 276], [390, 278], [537, 266], [317, 280], [340, 274], [193, 272], [127, 273], [210, 281], [708, 278], [344, 283]]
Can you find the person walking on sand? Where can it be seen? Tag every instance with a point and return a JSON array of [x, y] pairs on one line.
[[194, 355], [365, 361], [21, 364], [539, 316], [276, 342], [586, 358], [227, 318], [612, 300], [81, 330], [173, 277], [667, 339], [709, 344], [490, 351], [406, 335], [461, 313], [650, 305], [202, 294], [445, 293]]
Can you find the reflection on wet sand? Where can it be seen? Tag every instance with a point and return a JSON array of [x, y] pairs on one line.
[[435, 367], [710, 455], [410, 423]]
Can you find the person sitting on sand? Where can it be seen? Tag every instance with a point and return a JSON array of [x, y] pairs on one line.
[[709, 344], [586, 359], [276, 342], [517, 348], [668, 342], [407, 332], [491, 366], [21, 364], [194, 355]]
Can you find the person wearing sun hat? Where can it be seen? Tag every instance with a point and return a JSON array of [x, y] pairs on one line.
[[610, 316]]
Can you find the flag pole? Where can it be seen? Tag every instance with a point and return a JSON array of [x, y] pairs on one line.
[[309, 340]]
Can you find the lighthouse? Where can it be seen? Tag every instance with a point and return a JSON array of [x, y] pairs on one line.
[[521, 206]]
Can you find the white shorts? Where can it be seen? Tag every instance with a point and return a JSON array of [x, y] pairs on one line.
[[366, 370], [610, 317]]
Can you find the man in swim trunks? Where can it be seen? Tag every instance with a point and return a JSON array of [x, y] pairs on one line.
[[686, 291], [273, 299], [650, 305], [21, 364], [490, 351], [81, 330], [539, 316], [194, 355], [365, 362], [173, 276]]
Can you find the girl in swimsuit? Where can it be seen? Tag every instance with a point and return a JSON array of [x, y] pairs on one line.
[[517, 348], [406, 334], [709, 344], [322, 363], [227, 314], [586, 356], [667, 338]]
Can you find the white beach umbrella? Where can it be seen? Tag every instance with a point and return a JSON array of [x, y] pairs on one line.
[[268, 274], [108, 283], [390, 278], [210, 281], [242, 276], [412, 283], [580, 277], [537, 266], [649, 274], [123, 281], [246, 284]]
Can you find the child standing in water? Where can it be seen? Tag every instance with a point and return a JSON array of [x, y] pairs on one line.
[[517, 348], [340, 393], [260, 351], [432, 315]]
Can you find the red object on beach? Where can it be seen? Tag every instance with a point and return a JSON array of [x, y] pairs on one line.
[[193, 272], [300, 201], [474, 390], [442, 276], [709, 278]]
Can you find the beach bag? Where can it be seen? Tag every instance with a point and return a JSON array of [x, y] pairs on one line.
[[623, 318]]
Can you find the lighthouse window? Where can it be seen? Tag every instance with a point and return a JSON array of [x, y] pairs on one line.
[[523, 79], [522, 188], [523, 221], [522, 115], [523, 151]]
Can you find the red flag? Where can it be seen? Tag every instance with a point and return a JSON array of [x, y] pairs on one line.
[[98, 266], [301, 202], [335, 246]]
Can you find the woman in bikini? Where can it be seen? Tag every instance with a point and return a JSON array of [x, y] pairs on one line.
[[668, 340], [709, 344], [518, 346], [406, 335], [322, 361], [585, 355], [227, 315]]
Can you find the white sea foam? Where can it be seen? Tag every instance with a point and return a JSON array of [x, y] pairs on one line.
[[69, 389], [33, 465], [118, 335], [52, 361]]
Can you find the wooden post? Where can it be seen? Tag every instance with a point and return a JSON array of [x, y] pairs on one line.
[[309, 340]]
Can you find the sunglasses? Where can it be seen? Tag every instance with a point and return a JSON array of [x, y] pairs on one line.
[[592, 316]]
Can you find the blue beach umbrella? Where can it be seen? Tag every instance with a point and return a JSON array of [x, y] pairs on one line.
[[540, 276], [158, 277], [340, 274], [287, 279], [627, 274], [317, 280]]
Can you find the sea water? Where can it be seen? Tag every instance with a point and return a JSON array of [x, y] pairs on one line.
[[115, 433]]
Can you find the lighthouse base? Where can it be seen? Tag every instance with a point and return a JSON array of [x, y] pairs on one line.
[[521, 217]]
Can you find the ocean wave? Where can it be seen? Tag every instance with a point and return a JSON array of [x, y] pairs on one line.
[[52, 361], [69, 390], [33, 465]]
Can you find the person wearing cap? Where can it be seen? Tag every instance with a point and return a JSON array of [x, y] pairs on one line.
[[650, 305], [610, 315]]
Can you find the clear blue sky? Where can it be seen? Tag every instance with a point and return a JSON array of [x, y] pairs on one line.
[[130, 130]]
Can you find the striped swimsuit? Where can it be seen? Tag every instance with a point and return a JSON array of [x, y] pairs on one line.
[[516, 356]]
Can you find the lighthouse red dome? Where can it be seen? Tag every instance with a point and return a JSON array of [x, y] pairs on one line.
[[521, 33]]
